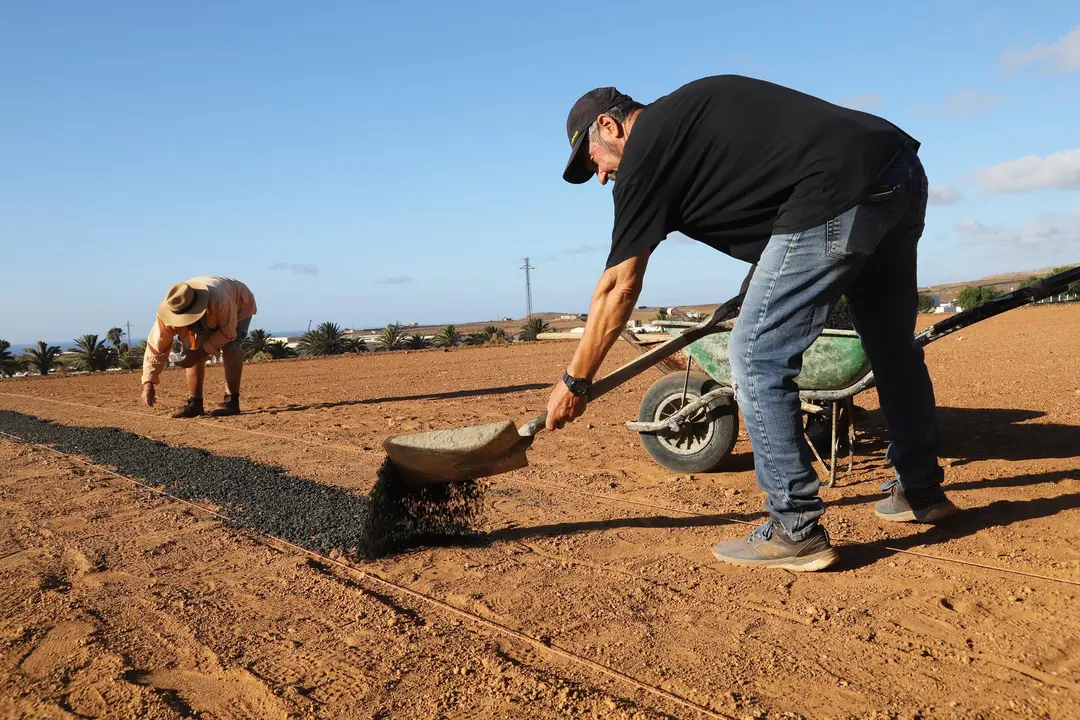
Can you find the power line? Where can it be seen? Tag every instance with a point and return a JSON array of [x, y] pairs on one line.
[[528, 287]]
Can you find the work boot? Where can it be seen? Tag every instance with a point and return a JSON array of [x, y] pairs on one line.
[[769, 546], [192, 408], [231, 406], [914, 505]]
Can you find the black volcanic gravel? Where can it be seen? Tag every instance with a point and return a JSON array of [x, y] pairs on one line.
[[266, 499]]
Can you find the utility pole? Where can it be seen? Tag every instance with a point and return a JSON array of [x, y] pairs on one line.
[[528, 288], [130, 345]]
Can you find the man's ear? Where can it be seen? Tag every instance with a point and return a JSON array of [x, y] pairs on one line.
[[608, 123]]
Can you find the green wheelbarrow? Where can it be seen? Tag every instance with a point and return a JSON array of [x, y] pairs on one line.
[[688, 421]]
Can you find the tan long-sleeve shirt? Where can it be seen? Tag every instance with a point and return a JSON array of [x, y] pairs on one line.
[[230, 302]]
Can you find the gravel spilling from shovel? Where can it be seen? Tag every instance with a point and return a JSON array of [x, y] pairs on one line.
[[268, 500]]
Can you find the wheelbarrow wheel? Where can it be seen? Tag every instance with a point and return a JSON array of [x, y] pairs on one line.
[[703, 441]]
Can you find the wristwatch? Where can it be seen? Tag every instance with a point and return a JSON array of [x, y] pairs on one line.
[[577, 386]]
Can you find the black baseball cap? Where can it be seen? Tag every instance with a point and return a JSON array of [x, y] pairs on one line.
[[590, 106]]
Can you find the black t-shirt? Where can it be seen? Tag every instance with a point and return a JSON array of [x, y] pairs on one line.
[[730, 160]]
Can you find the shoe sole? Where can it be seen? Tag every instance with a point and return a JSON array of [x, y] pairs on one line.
[[808, 563], [930, 514]]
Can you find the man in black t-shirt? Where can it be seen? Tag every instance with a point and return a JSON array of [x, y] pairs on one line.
[[825, 201]]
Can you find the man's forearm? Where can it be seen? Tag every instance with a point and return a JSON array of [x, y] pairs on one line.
[[612, 303]]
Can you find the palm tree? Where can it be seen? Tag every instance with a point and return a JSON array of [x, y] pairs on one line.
[[355, 345], [92, 355], [533, 327], [116, 337], [278, 350], [392, 337], [256, 342], [448, 337], [494, 335], [417, 342], [474, 338], [326, 339], [41, 358], [9, 364], [129, 360]]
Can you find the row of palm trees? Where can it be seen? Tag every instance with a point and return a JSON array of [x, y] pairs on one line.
[[330, 339], [92, 354]]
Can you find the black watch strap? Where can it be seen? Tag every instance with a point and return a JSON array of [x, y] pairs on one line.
[[577, 386]]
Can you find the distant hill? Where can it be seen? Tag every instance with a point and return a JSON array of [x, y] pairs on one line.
[[1006, 282]]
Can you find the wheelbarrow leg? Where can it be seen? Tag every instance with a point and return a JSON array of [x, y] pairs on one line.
[[832, 449], [850, 402], [831, 470]]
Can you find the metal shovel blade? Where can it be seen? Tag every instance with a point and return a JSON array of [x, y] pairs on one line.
[[458, 454]]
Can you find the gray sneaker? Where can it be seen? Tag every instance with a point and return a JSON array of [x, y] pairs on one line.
[[769, 546], [914, 505]]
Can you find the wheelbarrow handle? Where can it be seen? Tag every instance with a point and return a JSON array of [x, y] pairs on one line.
[[646, 360]]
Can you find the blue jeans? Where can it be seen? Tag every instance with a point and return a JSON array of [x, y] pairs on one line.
[[867, 253]]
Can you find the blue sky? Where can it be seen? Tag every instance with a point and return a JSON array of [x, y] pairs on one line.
[[368, 163]]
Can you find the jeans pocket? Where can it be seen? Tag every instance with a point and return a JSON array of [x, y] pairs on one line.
[[858, 231]]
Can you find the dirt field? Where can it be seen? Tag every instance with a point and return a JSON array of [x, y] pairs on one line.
[[122, 603]]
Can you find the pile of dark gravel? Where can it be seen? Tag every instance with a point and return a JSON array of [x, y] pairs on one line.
[[268, 500]]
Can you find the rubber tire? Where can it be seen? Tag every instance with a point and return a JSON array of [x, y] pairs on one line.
[[722, 413]]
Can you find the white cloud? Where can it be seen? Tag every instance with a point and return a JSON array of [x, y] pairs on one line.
[[296, 268], [944, 195], [863, 101], [1062, 56], [965, 102], [1057, 233], [1060, 170], [395, 280]]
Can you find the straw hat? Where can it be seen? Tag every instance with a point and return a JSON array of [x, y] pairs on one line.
[[184, 304]]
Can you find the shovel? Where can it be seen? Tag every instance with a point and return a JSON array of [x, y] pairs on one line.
[[456, 455]]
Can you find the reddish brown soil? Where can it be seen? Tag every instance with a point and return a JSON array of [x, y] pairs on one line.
[[119, 603]]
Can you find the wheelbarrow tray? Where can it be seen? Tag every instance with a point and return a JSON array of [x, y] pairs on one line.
[[835, 361]]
